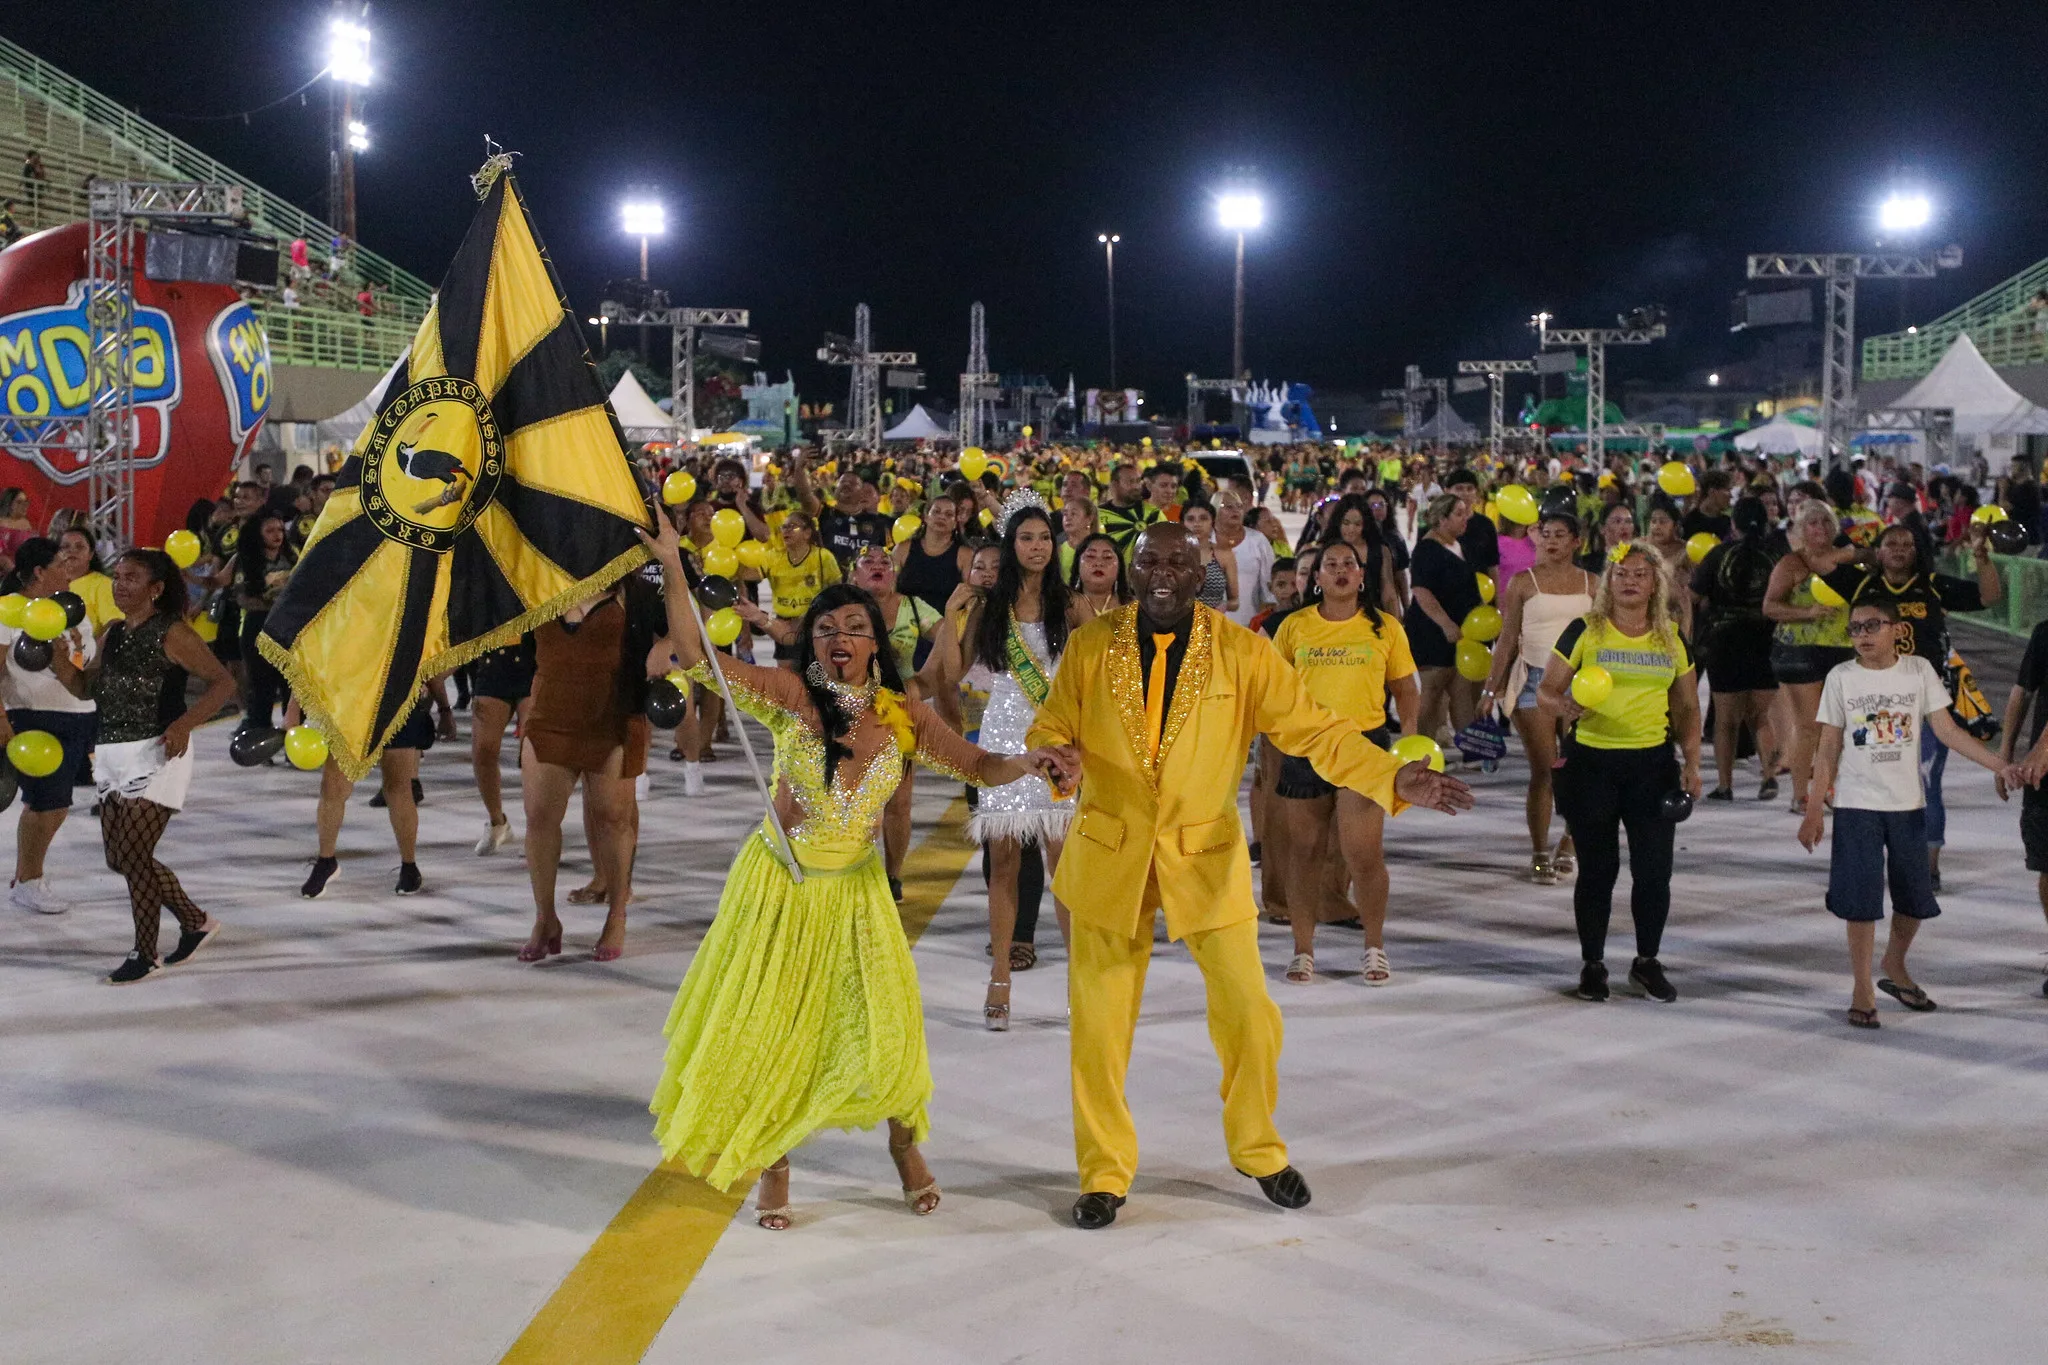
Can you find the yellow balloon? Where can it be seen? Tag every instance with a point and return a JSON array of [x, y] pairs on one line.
[[1677, 480], [722, 627], [753, 553], [678, 677], [728, 527], [973, 463], [1593, 686], [1986, 515], [679, 487], [1027, 433], [1486, 589], [907, 526], [1825, 594], [1699, 544], [1419, 749], [988, 518], [1145, 441], [44, 619], [35, 753], [721, 561], [1474, 660], [13, 608], [305, 747], [1517, 504], [1482, 623], [183, 548], [885, 507]]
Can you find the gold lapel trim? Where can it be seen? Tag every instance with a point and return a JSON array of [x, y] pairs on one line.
[[1126, 680], [1187, 687]]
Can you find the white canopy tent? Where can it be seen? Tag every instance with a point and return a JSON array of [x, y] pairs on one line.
[[638, 417], [1780, 436], [918, 425], [1445, 425], [344, 427], [1984, 405]]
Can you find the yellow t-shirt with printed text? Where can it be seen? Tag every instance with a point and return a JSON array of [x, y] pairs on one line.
[[1346, 665]]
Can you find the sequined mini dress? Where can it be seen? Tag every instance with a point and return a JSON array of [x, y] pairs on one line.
[[1022, 810]]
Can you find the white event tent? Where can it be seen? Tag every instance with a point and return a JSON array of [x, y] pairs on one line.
[[918, 425], [1780, 436], [1984, 405]]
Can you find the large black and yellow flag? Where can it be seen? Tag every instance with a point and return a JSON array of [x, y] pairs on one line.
[[491, 493]]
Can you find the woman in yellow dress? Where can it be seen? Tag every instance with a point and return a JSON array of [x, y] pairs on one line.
[[801, 1008]]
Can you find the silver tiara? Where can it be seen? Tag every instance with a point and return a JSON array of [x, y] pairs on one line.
[[1015, 503]]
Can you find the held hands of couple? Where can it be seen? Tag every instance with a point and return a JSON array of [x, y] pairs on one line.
[[1059, 765]]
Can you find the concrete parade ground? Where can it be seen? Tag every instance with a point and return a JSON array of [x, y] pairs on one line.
[[358, 1130]]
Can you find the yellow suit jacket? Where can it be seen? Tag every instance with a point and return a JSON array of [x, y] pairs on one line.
[[1178, 815]]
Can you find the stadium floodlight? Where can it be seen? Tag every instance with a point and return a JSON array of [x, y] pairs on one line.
[[643, 218], [1240, 211], [358, 136], [348, 52], [1905, 212]]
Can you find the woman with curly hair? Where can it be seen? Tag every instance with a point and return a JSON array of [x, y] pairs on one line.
[[801, 1008], [1618, 765]]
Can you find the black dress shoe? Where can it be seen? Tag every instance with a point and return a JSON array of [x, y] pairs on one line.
[[1285, 1187], [1098, 1210]]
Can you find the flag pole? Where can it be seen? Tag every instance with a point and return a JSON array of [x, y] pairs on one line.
[[787, 852]]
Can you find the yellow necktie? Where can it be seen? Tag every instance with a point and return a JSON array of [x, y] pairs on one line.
[[1155, 692]]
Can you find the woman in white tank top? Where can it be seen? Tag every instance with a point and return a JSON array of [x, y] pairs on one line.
[[1536, 606]]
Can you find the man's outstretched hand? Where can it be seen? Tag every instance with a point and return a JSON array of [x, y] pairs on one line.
[[1419, 786]]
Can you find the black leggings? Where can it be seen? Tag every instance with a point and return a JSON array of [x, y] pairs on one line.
[[266, 685], [1600, 792], [130, 828]]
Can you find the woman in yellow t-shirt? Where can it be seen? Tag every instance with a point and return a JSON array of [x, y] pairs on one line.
[[1618, 765], [797, 575], [1350, 654]]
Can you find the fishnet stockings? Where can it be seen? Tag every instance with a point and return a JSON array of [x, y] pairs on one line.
[[130, 828]]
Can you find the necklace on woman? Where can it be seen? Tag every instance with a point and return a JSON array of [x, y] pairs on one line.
[[1098, 608], [854, 698]]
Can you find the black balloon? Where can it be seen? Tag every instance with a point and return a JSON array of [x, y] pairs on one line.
[[255, 745], [74, 607], [10, 783], [2008, 537], [1558, 499], [1676, 806], [716, 594], [666, 705], [217, 608], [31, 654]]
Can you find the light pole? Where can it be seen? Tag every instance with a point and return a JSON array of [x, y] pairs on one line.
[[348, 66], [1239, 211], [643, 216], [1109, 241], [1901, 217]]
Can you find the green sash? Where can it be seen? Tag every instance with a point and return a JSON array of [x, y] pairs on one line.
[[1028, 672]]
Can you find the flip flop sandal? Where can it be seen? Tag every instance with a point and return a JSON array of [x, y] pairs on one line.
[[1863, 1019], [1912, 997]]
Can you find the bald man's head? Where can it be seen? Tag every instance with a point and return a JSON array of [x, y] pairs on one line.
[[1166, 572]]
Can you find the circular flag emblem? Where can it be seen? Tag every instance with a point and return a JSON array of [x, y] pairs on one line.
[[433, 463]]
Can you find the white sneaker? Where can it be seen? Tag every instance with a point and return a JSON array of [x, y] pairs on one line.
[[495, 838], [693, 779], [35, 896]]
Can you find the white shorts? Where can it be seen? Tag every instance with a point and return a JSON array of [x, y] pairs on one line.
[[138, 768]]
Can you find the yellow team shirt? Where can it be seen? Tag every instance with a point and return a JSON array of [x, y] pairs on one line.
[[1637, 714], [796, 584], [1346, 665], [96, 590]]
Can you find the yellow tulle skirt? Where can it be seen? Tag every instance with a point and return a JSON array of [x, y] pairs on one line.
[[800, 1012]]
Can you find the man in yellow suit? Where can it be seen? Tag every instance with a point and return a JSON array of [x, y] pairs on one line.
[[1162, 700]]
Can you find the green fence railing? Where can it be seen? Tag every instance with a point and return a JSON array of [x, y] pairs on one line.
[[1997, 320], [2025, 603], [332, 341]]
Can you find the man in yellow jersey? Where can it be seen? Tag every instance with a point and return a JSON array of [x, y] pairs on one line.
[[1163, 698]]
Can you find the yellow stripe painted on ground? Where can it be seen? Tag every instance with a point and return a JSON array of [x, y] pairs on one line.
[[612, 1305]]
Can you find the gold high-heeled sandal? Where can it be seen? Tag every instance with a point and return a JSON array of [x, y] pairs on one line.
[[916, 1198], [776, 1219]]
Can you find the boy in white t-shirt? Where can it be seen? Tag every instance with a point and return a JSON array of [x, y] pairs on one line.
[[1871, 711]]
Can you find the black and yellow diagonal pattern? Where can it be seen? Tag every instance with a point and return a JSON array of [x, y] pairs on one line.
[[491, 493]]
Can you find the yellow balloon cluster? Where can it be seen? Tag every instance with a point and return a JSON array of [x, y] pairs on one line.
[[721, 561], [44, 619], [728, 527], [753, 553]]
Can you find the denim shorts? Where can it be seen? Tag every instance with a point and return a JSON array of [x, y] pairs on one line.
[[1873, 848], [1531, 685]]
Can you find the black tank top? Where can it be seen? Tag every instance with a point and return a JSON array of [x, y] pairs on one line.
[[930, 578]]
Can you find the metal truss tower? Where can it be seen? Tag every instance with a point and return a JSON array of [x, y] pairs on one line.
[[1840, 271], [978, 385], [682, 351], [1596, 340], [1493, 370], [864, 393]]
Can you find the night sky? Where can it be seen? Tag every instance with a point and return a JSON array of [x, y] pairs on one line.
[[1433, 173]]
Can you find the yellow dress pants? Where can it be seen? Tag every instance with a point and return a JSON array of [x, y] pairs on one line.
[[1105, 981]]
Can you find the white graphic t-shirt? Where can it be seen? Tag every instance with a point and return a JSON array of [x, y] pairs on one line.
[[1880, 712]]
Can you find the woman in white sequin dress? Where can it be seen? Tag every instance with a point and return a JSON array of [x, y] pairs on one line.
[[1017, 630]]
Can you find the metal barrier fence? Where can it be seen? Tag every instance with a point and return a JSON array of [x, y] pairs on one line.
[[332, 341], [2025, 604]]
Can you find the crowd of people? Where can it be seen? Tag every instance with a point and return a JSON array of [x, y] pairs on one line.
[[1026, 621]]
